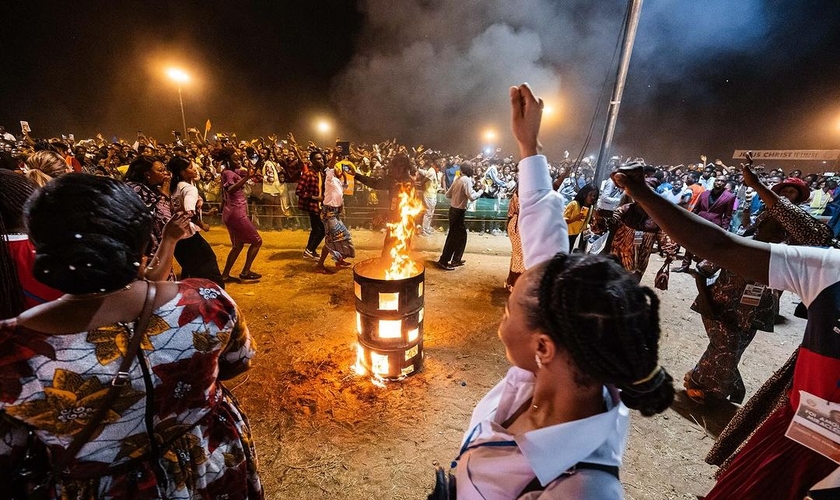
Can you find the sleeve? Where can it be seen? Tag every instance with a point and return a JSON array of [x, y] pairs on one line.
[[190, 197], [726, 218], [471, 193], [803, 228], [229, 179], [381, 184], [240, 348], [543, 233], [805, 271], [303, 189], [571, 211]]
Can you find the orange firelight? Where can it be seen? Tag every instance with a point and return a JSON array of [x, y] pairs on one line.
[[402, 231]]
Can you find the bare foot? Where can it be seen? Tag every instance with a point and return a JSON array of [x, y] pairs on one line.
[[323, 270]]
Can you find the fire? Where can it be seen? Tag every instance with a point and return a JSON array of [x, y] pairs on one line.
[[402, 231]]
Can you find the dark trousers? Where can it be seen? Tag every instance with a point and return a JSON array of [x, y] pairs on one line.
[[316, 234], [197, 259], [456, 238]]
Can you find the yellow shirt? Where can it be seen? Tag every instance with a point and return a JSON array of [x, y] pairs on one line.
[[573, 210]]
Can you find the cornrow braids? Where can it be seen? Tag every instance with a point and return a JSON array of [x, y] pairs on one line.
[[591, 307], [15, 189]]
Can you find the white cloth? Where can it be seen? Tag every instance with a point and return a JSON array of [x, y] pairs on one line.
[[333, 190], [541, 224], [501, 470], [805, 271], [676, 198], [271, 181], [461, 191], [184, 199], [610, 195]]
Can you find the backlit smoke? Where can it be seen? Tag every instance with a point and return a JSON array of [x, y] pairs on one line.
[[437, 71]]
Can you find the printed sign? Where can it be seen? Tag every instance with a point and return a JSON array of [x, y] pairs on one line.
[[816, 425], [789, 154]]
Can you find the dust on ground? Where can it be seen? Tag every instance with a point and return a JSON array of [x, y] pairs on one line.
[[321, 431]]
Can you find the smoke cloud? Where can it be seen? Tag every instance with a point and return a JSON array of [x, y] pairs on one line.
[[437, 71]]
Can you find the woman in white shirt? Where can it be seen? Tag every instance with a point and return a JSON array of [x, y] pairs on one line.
[[582, 337], [337, 241], [194, 255]]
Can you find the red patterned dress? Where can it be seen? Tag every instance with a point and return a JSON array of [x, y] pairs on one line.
[[201, 446]]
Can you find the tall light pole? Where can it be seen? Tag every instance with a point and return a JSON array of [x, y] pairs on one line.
[[179, 76]]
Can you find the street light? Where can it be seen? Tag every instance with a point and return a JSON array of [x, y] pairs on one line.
[[324, 127], [489, 135], [179, 76]]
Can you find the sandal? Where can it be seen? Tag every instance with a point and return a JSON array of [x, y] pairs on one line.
[[691, 390], [250, 275]]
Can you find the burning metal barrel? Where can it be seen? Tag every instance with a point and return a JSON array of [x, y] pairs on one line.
[[389, 320]]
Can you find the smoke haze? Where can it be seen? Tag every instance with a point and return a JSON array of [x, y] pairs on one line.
[[437, 71]]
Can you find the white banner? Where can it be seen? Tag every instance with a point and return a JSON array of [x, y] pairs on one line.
[[789, 154]]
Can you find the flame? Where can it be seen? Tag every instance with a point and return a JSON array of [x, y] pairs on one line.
[[402, 231]]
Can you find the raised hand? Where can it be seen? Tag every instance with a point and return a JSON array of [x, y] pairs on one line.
[[526, 115]]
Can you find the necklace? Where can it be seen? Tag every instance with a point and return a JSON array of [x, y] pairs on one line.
[[96, 295]]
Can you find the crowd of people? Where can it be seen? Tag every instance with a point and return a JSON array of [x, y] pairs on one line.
[[90, 231]]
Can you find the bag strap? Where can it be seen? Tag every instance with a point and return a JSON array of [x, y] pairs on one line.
[[120, 379], [535, 485]]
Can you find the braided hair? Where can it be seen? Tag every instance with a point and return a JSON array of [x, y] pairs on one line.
[[89, 233], [591, 307], [15, 189]]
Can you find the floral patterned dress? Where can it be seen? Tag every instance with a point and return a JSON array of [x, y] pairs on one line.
[[174, 431]]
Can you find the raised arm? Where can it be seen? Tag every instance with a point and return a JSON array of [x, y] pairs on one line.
[[751, 259], [542, 228]]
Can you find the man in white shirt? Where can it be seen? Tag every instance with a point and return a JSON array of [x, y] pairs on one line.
[[459, 194]]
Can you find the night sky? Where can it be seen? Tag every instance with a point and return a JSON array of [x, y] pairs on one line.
[[706, 77]]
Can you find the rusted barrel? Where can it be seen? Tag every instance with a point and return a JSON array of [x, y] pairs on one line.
[[389, 321]]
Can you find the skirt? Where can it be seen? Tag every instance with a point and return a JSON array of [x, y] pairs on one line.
[[337, 239], [240, 228]]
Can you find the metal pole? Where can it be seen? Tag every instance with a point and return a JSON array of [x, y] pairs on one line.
[[623, 65], [183, 119]]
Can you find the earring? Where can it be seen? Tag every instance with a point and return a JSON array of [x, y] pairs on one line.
[[539, 361]]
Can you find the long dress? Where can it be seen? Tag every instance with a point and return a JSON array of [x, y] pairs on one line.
[[54, 382], [635, 233], [235, 212]]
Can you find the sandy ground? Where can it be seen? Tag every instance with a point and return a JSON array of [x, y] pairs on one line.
[[323, 432]]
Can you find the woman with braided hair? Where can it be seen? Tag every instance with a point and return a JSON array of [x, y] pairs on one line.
[[171, 429], [582, 337]]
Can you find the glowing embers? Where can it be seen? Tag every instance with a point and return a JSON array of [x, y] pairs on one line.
[[390, 329], [389, 301], [379, 364]]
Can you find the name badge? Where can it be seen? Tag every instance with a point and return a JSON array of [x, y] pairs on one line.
[[637, 238], [752, 295], [816, 425]]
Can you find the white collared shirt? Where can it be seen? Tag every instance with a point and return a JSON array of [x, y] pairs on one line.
[[495, 464]]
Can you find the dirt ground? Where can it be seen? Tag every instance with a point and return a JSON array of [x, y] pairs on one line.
[[321, 431]]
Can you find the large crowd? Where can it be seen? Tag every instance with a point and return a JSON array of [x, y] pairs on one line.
[[113, 371]]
